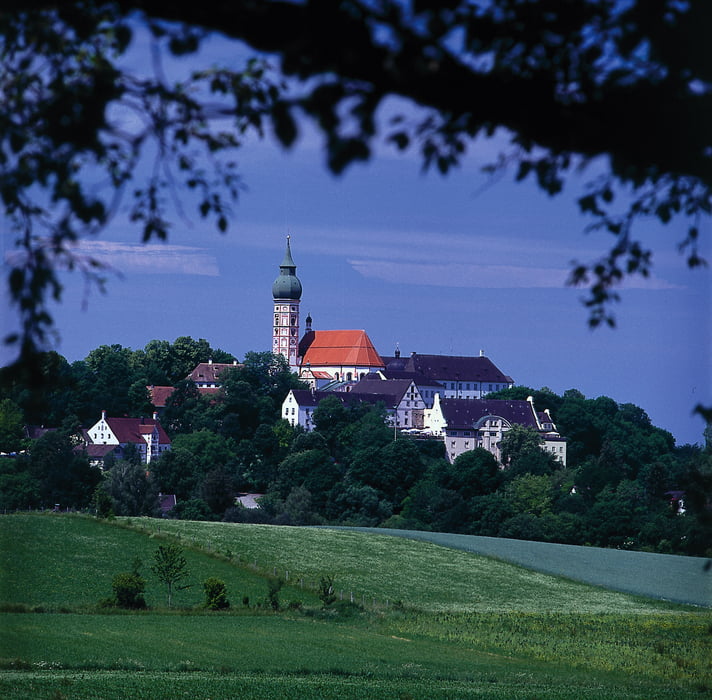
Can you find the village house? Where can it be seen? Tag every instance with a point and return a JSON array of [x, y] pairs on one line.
[[116, 434], [467, 424], [400, 397]]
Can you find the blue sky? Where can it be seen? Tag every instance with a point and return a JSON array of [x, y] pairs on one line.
[[450, 265]]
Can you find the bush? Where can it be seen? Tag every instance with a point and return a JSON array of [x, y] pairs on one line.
[[215, 594], [274, 586], [128, 590], [326, 590]]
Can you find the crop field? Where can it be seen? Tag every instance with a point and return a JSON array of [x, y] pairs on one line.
[[430, 622], [384, 568]]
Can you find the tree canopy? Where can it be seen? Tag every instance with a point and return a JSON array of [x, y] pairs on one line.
[[565, 82]]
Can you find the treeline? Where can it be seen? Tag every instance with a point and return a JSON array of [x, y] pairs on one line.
[[353, 469]]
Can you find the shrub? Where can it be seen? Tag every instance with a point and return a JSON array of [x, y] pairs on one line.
[[274, 586], [128, 590], [215, 594], [326, 590]]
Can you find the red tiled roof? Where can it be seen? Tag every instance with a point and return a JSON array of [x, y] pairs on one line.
[[131, 429], [160, 395], [339, 349], [208, 390], [209, 372], [97, 451]]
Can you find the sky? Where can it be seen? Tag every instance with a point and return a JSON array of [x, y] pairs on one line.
[[429, 264]]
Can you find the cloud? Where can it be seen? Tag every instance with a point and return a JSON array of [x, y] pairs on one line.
[[461, 274], [454, 274], [150, 258], [444, 259]]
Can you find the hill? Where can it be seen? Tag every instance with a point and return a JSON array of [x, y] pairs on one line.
[[430, 622]]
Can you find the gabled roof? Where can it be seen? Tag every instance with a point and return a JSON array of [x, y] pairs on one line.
[[210, 371], [464, 413], [416, 377], [373, 386], [98, 451], [447, 368], [311, 399], [338, 349], [131, 429], [160, 395]]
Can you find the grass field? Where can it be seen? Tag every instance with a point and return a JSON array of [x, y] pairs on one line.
[[465, 627]]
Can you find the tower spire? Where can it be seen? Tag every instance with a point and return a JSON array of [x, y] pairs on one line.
[[286, 294]]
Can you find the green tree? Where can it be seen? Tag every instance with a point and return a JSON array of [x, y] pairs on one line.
[[517, 441], [473, 473], [19, 489], [131, 492], [215, 594], [315, 470], [11, 426], [65, 476], [170, 567]]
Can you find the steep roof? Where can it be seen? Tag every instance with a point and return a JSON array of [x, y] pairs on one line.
[[98, 451], [160, 395], [311, 399], [447, 368], [374, 386], [131, 429], [210, 371], [464, 413], [338, 349]]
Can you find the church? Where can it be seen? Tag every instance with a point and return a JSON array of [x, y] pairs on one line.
[[441, 396], [338, 359]]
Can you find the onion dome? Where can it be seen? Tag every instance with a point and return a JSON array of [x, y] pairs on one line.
[[287, 285]]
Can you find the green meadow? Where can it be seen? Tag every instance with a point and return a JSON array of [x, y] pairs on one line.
[[427, 621]]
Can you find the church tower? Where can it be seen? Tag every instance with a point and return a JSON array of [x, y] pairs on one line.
[[287, 293]]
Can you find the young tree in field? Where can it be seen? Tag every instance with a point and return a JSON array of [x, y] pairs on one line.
[[215, 594], [170, 567]]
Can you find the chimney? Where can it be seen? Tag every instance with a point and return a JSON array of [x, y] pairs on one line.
[[155, 415], [103, 415]]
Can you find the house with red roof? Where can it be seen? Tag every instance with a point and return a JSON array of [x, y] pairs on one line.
[[206, 375], [146, 434]]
